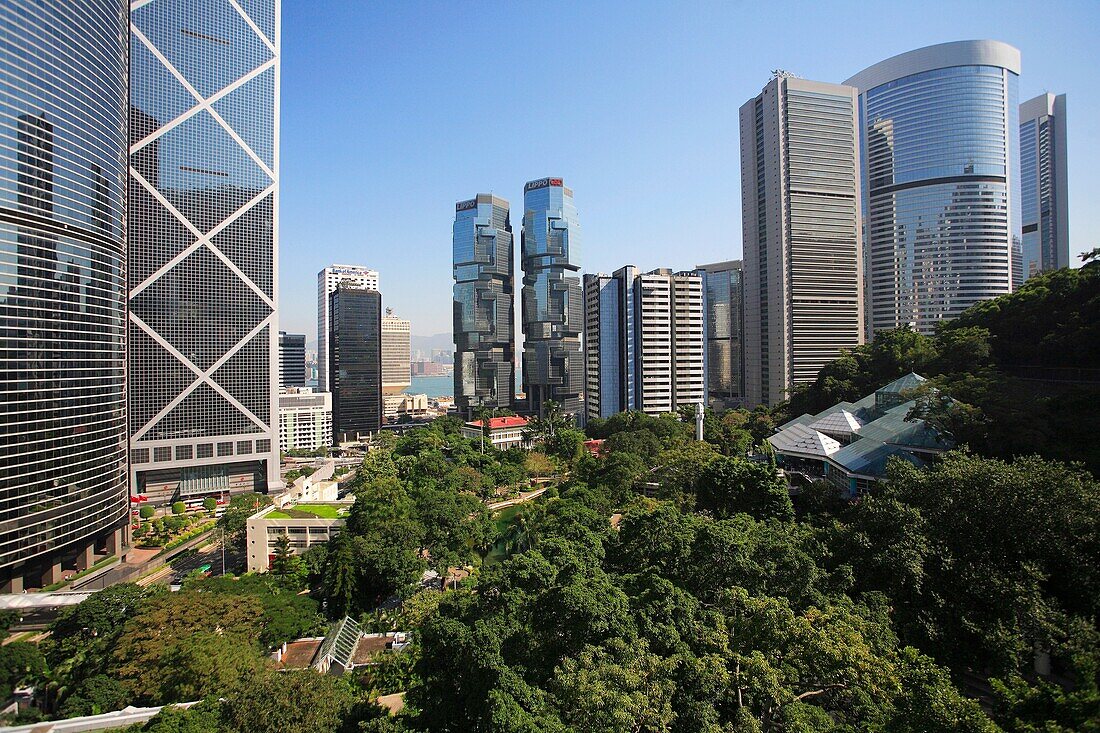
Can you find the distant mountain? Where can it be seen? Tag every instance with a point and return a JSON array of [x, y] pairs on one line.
[[436, 341]]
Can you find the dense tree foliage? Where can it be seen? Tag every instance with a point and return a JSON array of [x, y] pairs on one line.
[[1022, 371]]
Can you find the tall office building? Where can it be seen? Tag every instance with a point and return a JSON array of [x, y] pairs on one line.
[[1044, 185], [327, 280], [940, 159], [355, 361], [553, 310], [801, 223], [723, 304], [644, 341], [484, 330], [396, 352], [292, 360], [62, 287], [203, 244]]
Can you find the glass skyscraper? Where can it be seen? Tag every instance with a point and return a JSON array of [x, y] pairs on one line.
[[355, 361], [940, 155], [204, 76], [1044, 185], [62, 286], [723, 305], [484, 331], [292, 359], [552, 305]]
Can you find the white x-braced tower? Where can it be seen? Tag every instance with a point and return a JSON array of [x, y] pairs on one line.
[[203, 245]]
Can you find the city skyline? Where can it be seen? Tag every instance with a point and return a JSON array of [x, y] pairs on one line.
[[634, 149]]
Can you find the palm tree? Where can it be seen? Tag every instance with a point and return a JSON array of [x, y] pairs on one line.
[[542, 428]]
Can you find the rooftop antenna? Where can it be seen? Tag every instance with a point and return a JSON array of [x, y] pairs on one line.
[[783, 74]]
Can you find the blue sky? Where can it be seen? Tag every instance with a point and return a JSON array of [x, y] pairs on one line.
[[391, 112]]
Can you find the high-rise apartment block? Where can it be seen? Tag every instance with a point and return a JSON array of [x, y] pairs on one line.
[[305, 419], [63, 110], [800, 187], [1044, 185], [355, 361], [484, 330], [327, 280], [724, 293], [940, 140], [644, 341], [292, 360], [552, 305]]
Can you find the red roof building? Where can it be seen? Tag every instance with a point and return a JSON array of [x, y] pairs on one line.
[[504, 432]]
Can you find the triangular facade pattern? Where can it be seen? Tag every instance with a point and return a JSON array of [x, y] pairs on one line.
[[203, 187]]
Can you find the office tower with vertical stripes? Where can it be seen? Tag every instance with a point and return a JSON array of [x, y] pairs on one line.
[[1044, 185], [800, 184], [644, 341]]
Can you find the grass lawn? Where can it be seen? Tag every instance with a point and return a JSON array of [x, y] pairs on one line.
[[308, 511]]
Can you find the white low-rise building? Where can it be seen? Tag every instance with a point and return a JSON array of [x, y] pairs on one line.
[[305, 419], [305, 525], [504, 432]]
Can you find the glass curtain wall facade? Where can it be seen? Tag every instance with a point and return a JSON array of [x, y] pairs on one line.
[[204, 79], [552, 303], [327, 280], [940, 158], [1044, 185], [801, 226], [62, 285], [292, 359], [604, 366], [484, 316], [723, 306], [355, 361]]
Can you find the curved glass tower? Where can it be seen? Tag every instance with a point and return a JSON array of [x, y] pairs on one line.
[[940, 157], [485, 344], [62, 286], [553, 307]]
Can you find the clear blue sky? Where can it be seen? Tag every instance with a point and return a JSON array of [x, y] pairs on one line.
[[391, 112]]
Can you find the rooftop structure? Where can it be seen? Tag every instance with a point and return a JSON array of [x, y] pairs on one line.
[[850, 443], [305, 524]]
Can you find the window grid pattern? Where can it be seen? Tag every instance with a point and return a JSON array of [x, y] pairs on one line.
[[62, 274], [203, 193], [484, 266], [942, 193]]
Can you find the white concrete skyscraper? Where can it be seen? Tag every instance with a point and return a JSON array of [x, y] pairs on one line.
[[1044, 184], [644, 341], [327, 280], [802, 262], [203, 230], [940, 140]]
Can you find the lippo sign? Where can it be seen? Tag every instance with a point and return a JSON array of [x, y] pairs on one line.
[[541, 183], [464, 205]]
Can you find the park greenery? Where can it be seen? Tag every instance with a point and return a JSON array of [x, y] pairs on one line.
[[669, 584]]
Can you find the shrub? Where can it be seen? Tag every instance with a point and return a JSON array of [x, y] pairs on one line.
[[209, 503], [146, 511], [179, 507]]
